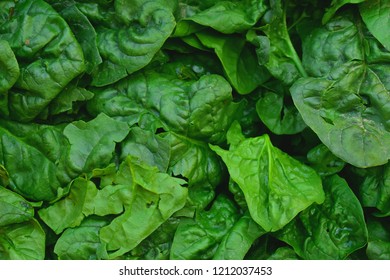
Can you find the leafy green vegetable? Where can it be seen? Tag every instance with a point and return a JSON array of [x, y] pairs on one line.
[[332, 230], [276, 186], [194, 129]]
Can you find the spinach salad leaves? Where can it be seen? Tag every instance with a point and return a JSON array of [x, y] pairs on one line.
[[189, 129]]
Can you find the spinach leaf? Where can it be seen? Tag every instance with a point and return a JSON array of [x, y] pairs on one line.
[[347, 105], [375, 16], [47, 52], [276, 186], [198, 238], [332, 230]]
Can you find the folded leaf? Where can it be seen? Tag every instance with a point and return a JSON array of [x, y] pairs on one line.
[[332, 230], [13, 208], [155, 196], [198, 238], [48, 53], [375, 14], [22, 241], [142, 26]]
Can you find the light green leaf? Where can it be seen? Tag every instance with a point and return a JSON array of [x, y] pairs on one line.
[[13, 208], [82, 242], [375, 14], [276, 186], [22, 241], [154, 198], [230, 16], [92, 143]]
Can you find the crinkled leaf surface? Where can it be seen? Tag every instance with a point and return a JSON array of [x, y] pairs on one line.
[[240, 238], [22, 241], [201, 109], [48, 54], [92, 143], [332, 230], [275, 50], [13, 208], [276, 186], [348, 107], [9, 67], [142, 26], [82, 242], [278, 113], [38, 146], [198, 238], [378, 247], [155, 196], [229, 16]]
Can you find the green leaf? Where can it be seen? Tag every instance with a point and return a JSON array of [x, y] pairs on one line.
[[39, 145], [230, 16], [237, 242], [155, 196], [198, 238], [238, 60], [50, 53], [375, 189], [83, 31], [335, 6], [375, 14], [9, 67], [92, 143], [142, 28], [349, 114], [378, 247], [275, 50], [347, 105], [277, 112], [22, 241], [14, 208], [332, 230], [82, 242], [323, 161], [67, 212], [201, 109], [148, 147], [276, 186], [195, 161]]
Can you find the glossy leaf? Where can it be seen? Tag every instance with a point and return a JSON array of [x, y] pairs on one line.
[[52, 56], [198, 238], [155, 196], [375, 14], [276, 186], [332, 230], [145, 25], [226, 16], [238, 60], [240, 238]]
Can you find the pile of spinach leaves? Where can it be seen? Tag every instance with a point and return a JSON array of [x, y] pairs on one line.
[[194, 129]]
